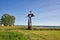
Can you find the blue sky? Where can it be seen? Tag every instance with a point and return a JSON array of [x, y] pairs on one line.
[[47, 12]]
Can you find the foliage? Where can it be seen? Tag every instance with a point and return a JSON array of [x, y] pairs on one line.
[[7, 20]]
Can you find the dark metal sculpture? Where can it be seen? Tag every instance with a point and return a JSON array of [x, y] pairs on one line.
[[29, 20]]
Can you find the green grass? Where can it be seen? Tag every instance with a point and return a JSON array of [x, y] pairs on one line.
[[21, 33]]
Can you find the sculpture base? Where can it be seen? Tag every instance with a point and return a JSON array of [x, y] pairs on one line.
[[29, 27]]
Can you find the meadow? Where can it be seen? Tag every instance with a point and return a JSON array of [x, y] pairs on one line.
[[22, 33]]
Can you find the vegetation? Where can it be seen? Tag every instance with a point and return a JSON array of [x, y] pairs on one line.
[[0, 21], [7, 20], [21, 33]]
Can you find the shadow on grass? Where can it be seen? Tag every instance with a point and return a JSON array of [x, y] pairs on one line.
[[46, 29], [33, 29], [26, 28]]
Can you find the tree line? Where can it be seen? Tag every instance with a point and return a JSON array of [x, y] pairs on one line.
[[7, 20]]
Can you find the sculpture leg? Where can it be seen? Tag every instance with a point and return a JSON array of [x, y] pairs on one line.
[[29, 23]]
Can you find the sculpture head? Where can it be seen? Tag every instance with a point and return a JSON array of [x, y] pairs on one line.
[[30, 14]]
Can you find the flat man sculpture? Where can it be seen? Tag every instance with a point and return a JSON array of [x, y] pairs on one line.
[[29, 20]]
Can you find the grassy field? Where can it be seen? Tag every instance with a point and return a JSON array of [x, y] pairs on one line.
[[21, 33]]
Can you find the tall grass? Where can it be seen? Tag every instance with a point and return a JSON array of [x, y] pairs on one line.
[[21, 33]]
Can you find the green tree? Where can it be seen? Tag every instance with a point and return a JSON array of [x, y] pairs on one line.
[[7, 20], [0, 22], [12, 20]]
